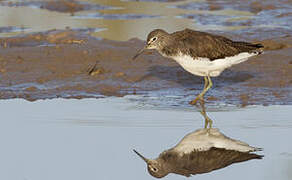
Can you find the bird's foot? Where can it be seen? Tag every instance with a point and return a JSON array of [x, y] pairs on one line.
[[194, 102], [210, 123]]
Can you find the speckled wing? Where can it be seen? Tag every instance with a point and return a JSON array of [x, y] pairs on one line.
[[201, 44], [199, 162], [215, 158]]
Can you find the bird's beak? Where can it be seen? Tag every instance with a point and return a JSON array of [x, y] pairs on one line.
[[142, 157], [139, 52]]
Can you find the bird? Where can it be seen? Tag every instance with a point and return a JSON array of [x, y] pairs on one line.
[[201, 151], [200, 53]]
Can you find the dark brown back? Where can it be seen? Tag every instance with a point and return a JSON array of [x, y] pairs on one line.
[[199, 162], [202, 44]]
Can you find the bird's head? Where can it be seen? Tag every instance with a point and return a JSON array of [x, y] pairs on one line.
[[156, 39], [154, 167]]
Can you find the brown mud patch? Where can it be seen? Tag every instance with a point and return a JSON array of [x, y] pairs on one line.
[[254, 6], [277, 44], [66, 6], [71, 64]]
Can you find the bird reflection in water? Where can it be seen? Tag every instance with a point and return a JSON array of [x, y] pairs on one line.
[[201, 151]]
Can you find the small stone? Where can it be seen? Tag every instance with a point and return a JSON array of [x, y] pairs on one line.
[[32, 89], [212, 98], [40, 80], [97, 71], [120, 74], [3, 70], [19, 60]]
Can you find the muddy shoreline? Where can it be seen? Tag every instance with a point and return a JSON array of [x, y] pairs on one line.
[[59, 63]]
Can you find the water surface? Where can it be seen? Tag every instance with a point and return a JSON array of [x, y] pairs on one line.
[[93, 138]]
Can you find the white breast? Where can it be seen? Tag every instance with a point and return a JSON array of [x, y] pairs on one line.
[[204, 67], [203, 140]]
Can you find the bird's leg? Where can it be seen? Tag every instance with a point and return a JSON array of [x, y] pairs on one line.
[[210, 84], [208, 121], [207, 86], [206, 82], [203, 112]]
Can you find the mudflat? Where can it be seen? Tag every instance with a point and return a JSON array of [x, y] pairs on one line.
[[79, 49], [73, 64]]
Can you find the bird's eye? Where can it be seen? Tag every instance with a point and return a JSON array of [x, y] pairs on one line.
[[154, 169], [154, 39]]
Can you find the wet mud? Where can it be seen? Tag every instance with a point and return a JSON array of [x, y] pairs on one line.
[[65, 6], [90, 53], [73, 64]]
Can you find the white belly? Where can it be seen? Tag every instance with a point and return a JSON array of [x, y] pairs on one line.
[[205, 139], [205, 67]]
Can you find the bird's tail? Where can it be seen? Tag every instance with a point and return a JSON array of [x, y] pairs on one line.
[[242, 57], [257, 45]]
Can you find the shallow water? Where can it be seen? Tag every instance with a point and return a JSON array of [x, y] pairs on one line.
[[93, 138]]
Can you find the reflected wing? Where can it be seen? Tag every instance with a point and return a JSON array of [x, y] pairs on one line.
[[201, 44], [199, 162]]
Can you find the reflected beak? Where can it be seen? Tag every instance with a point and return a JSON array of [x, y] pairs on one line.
[[139, 52], [142, 157]]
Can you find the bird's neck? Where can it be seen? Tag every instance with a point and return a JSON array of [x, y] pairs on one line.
[[170, 162], [168, 51], [168, 159]]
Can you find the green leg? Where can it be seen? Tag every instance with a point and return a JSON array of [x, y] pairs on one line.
[[208, 121], [206, 82], [207, 86]]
